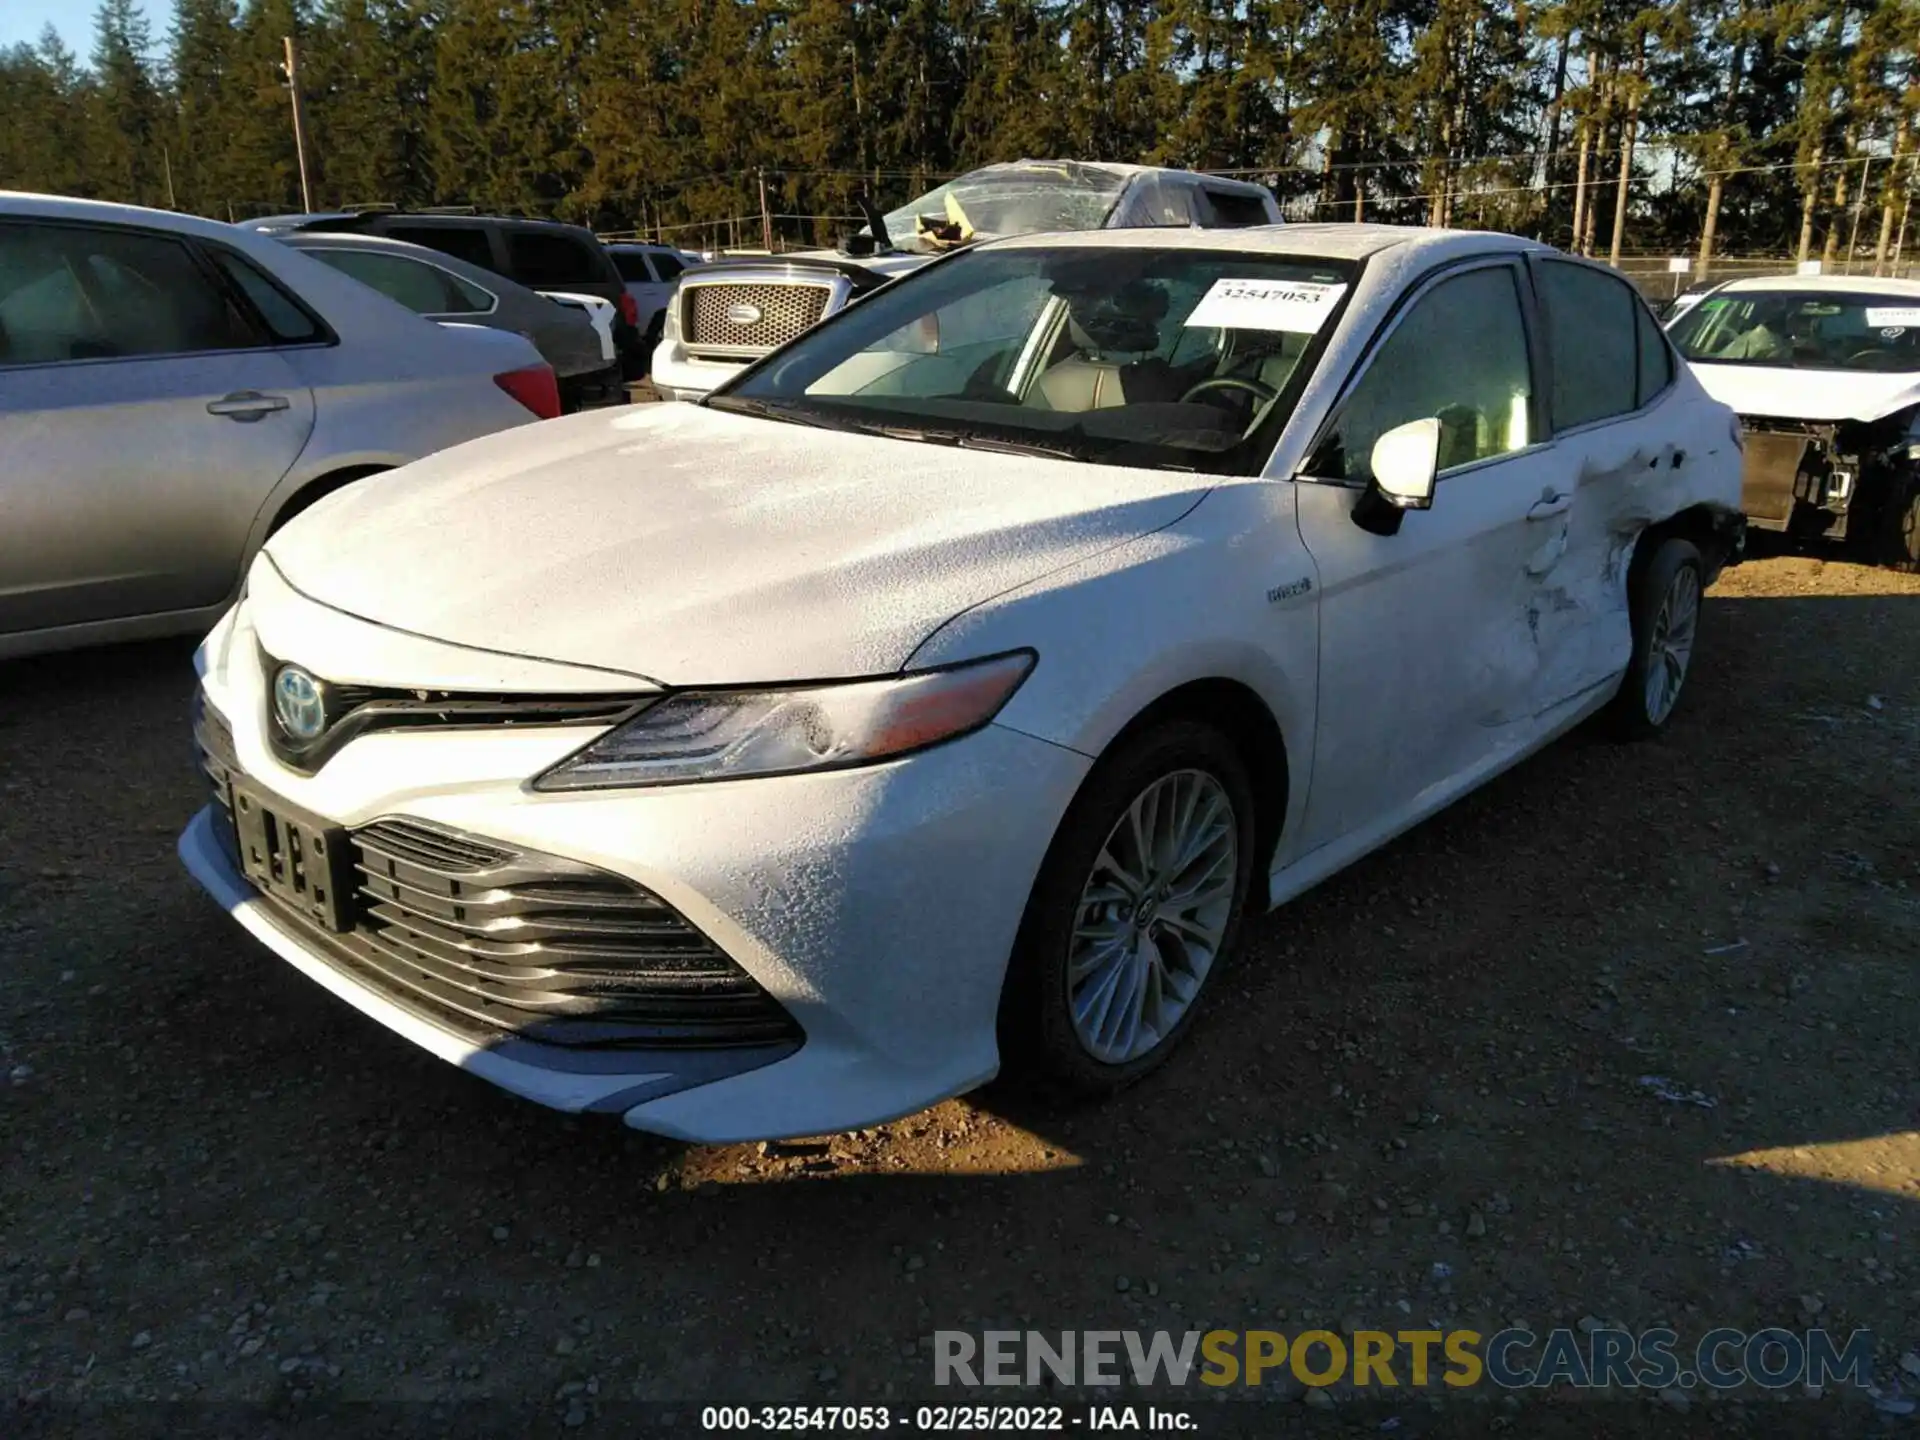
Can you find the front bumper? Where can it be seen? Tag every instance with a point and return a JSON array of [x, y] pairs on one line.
[[678, 375], [877, 906]]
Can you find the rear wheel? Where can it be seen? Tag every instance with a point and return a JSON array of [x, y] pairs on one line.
[[1665, 594], [1138, 903], [317, 491]]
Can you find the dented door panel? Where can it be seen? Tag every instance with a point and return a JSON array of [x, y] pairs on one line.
[[1429, 644]]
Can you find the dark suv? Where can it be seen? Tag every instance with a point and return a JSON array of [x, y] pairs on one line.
[[539, 254]]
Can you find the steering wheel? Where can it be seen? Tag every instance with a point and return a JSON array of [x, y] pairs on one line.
[[1876, 359], [1260, 390]]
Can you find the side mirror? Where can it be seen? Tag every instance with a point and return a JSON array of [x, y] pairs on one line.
[[1405, 462]]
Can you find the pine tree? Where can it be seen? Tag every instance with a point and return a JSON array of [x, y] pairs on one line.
[[202, 43], [126, 107]]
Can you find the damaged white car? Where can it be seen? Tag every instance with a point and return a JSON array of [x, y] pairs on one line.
[[1824, 372], [943, 694]]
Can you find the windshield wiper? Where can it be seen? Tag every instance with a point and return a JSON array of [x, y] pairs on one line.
[[1017, 447], [967, 440], [782, 410], [796, 415]]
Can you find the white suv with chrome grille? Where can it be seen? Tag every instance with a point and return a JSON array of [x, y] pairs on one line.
[[727, 315]]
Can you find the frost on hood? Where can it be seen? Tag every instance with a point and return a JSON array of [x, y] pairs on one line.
[[697, 547]]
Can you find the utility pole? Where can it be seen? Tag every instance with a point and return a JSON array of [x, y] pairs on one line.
[[1859, 204], [766, 218], [292, 69], [1906, 209]]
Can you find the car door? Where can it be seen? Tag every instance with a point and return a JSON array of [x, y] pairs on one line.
[[1427, 636], [144, 417], [1622, 428]]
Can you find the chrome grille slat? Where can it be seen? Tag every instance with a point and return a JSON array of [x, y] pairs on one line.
[[500, 976], [421, 845], [612, 913], [568, 932]]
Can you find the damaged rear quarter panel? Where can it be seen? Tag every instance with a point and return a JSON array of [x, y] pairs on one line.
[[1578, 630]]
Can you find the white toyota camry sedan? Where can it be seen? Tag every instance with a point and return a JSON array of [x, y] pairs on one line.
[[943, 693]]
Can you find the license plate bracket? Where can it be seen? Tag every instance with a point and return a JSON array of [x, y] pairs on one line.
[[294, 857]]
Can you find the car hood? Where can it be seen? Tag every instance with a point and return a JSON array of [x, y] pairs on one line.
[[1808, 394], [685, 546], [893, 262]]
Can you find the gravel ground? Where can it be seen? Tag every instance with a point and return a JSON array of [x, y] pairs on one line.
[[1424, 1092]]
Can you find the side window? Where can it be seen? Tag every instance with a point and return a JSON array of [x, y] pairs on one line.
[[79, 293], [1154, 201], [286, 318], [632, 266], [669, 266], [422, 288], [544, 260], [1458, 355], [463, 242], [1656, 358], [1231, 210], [1595, 345]]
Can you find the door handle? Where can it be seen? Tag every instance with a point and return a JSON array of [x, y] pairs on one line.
[[245, 405], [1550, 505]]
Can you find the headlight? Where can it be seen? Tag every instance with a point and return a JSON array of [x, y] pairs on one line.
[[670, 317], [733, 734]]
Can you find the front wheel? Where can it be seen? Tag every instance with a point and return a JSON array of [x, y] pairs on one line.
[[1138, 903], [1665, 597], [1902, 544]]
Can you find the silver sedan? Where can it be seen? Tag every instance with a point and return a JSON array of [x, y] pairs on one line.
[[173, 389], [448, 289]]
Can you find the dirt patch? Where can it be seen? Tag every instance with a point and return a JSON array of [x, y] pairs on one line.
[[1628, 1035]]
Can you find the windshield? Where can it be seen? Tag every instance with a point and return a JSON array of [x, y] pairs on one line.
[[1006, 200], [1802, 330], [1165, 358]]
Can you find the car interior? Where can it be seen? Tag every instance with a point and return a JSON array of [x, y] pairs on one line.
[[1115, 349]]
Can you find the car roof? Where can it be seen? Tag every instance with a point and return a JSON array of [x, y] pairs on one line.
[[1117, 169], [1330, 241], [358, 240], [67, 207], [1851, 284]]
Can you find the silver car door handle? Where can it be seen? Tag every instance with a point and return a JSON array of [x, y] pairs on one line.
[[247, 405], [1548, 506]]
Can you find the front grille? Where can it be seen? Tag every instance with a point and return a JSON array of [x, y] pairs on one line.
[[350, 711], [491, 941], [716, 315]]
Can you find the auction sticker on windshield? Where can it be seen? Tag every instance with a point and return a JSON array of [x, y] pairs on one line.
[[1300, 307], [1887, 317]]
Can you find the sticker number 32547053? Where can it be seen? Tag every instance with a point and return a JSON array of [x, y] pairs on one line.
[[1298, 306]]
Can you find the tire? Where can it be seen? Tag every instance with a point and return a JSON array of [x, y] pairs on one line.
[[1901, 534], [1175, 760], [1664, 635]]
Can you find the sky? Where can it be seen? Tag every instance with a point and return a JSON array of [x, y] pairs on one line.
[[24, 19]]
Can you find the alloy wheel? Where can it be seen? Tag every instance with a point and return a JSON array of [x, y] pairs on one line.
[[1670, 648], [1152, 916]]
